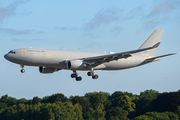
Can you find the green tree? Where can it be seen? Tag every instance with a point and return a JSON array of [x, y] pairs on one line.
[[3, 105], [143, 117], [178, 110], [172, 116], [97, 98], [35, 111], [10, 113], [83, 101], [166, 102], [119, 93], [116, 95], [106, 94], [88, 116], [158, 116], [4, 98], [143, 104], [8, 100], [99, 112], [124, 102], [46, 111], [55, 97], [23, 101], [151, 91], [36, 100], [116, 113]]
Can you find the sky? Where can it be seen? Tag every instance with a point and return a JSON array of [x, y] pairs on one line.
[[94, 26]]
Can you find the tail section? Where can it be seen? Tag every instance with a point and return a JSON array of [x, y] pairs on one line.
[[154, 39]]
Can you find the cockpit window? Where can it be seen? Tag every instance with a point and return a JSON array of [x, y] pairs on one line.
[[12, 52]]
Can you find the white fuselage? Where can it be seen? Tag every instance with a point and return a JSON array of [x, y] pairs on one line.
[[56, 59]]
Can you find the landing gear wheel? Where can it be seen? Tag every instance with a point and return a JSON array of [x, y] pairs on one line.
[[95, 76], [73, 75], [22, 70], [89, 74], [78, 78]]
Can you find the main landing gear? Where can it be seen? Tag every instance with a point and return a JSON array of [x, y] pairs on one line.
[[91, 73], [79, 78], [75, 75], [22, 70]]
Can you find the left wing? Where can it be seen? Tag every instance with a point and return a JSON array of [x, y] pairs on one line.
[[97, 60]]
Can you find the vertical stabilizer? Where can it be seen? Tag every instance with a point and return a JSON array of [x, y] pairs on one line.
[[151, 41]]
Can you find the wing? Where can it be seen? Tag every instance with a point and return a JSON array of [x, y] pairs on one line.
[[97, 60]]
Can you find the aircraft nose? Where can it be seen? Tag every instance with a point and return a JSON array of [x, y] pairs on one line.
[[5, 56]]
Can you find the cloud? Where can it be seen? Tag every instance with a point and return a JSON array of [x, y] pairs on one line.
[[160, 14], [103, 17], [117, 30], [37, 39], [152, 24], [19, 32], [23, 40], [138, 11], [91, 46], [66, 28], [61, 28], [38, 32], [9, 10], [162, 8], [17, 40]]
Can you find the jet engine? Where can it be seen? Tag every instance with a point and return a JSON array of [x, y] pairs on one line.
[[47, 70], [75, 64]]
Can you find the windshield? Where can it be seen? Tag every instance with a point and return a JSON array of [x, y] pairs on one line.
[[12, 52]]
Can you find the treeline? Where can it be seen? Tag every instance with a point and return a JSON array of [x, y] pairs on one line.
[[149, 105]]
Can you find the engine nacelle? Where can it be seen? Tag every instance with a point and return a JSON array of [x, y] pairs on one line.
[[75, 64], [47, 70]]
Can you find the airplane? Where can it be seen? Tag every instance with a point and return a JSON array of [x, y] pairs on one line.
[[50, 61]]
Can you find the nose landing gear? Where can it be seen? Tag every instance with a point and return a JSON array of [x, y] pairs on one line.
[[22, 70]]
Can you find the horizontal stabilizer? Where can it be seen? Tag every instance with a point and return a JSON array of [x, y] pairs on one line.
[[151, 59]]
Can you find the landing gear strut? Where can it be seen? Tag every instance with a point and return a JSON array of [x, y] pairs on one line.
[[22, 70], [91, 73], [75, 75]]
